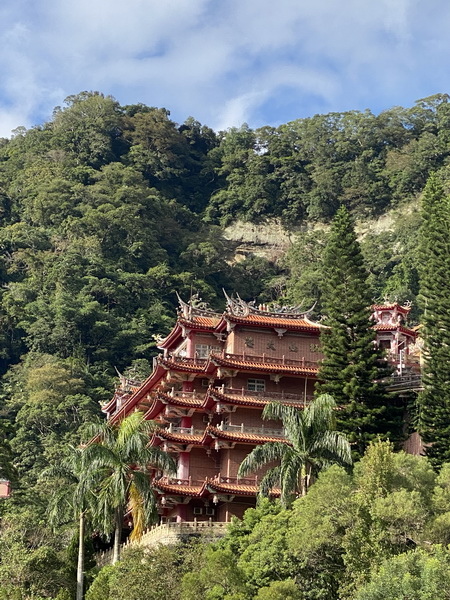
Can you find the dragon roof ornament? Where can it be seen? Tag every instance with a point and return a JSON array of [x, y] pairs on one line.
[[196, 307], [240, 308]]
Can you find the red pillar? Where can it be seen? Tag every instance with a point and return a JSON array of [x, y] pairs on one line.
[[183, 465]]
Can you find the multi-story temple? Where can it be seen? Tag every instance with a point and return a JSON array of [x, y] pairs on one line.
[[209, 386]]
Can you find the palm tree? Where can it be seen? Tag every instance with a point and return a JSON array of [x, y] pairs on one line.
[[312, 443], [73, 497], [124, 460]]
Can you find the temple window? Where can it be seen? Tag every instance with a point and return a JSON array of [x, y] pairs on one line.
[[256, 385], [204, 350]]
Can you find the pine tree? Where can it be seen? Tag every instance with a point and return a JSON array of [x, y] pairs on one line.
[[434, 402], [352, 365]]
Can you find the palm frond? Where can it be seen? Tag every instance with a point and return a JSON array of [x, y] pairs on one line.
[[261, 456], [319, 415], [333, 447], [272, 479], [161, 460]]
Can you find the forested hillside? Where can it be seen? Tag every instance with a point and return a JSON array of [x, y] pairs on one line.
[[107, 211]]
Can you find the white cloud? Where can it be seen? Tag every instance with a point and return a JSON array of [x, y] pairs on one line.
[[220, 62]]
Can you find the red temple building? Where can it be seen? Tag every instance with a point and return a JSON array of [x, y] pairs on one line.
[[209, 385], [5, 488]]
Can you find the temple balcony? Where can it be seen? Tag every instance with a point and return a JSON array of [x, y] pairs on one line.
[[219, 478], [263, 359], [184, 430], [284, 397], [404, 362], [184, 361], [244, 430], [269, 360]]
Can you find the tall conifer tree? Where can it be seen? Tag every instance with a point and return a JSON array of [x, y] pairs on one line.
[[434, 402], [352, 365]]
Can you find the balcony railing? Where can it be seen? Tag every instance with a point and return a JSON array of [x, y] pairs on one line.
[[275, 396], [398, 383], [407, 359], [184, 430], [184, 360], [264, 359], [182, 394], [271, 360], [266, 431], [216, 479]]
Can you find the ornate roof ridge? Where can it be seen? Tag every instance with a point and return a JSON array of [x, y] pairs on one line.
[[241, 308], [386, 305], [195, 308]]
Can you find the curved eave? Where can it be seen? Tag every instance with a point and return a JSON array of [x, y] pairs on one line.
[[254, 401], [196, 324], [200, 368], [200, 323], [174, 489], [139, 395], [237, 489], [187, 402], [112, 403], [401, 309], [155, 409], [179, 438], [388, 328], [241, 437], [259, 367], [172, 338]]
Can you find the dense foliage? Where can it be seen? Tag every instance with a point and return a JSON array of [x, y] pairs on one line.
[[106, 211], [434, 415], [352, 366], [377, 533]]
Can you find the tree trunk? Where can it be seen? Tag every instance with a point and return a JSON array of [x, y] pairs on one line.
[[80, 564], [307, 480], [117, 534]]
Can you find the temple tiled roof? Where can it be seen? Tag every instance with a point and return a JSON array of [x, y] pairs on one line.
[[183, 437], [210, 486], [250, 363], [392, 306], [179, 489], [186, 365], [200, 322], [388, 327], [256, 401], [237, 489], [281, 322], [188, 401], [241, 436]]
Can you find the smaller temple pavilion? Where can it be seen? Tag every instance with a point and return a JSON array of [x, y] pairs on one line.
[[214, 376], [394, 336]]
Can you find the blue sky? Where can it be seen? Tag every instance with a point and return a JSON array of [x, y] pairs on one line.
[[223, 62]]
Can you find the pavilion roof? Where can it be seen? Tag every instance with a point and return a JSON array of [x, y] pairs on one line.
[[392, 306], [401, 328]]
